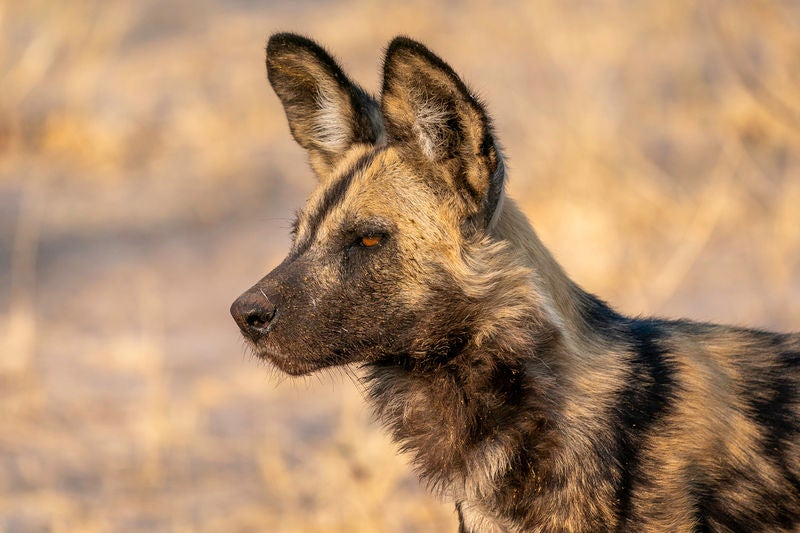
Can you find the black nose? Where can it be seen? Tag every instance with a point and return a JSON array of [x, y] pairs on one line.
[[254, 313]]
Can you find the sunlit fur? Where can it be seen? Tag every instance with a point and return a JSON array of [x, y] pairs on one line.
[[529, 403]]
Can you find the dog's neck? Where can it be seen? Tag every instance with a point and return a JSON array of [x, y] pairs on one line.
[[561, 296], [462, 419], [455, 418]]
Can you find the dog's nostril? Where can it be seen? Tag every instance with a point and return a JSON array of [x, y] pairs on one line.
[[259, 316], [256, 321], [253, 313]]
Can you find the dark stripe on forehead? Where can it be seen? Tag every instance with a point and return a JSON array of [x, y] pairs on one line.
[[334, 196]]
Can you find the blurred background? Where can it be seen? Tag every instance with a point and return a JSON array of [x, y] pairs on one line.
[[147, 178]]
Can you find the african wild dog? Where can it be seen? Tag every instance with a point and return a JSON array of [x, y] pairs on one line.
[[527, 401]]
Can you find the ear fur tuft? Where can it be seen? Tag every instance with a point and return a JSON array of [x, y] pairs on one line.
[[327, 112], [429, 110]]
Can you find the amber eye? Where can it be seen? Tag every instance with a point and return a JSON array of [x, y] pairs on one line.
[[368, 241]]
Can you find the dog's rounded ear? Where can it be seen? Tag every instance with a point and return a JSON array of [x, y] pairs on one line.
[[327, 112], [430, 113]]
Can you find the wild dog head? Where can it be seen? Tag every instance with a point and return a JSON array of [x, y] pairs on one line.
[[408, 189]]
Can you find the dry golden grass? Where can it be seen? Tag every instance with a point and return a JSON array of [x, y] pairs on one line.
[[147, 176]]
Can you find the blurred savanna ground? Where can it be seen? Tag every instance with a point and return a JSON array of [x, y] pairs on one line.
[[147, 177]]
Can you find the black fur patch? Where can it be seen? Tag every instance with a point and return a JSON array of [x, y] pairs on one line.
[[641, 404]]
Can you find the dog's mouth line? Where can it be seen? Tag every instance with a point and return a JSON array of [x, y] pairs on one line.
[[280, 358], [292, 364], [266, 351]]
